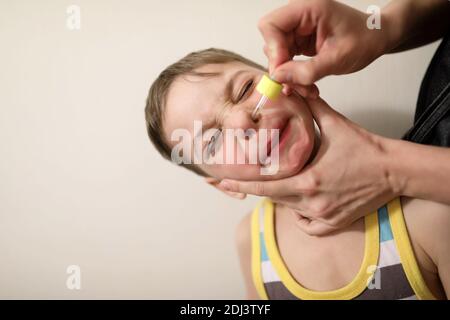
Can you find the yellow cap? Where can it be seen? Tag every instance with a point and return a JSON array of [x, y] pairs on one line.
[[268, 87]]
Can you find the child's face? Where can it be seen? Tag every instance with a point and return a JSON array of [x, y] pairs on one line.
[[206, 99]]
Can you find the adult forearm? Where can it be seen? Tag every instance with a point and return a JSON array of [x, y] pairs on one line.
[[419, 171], [413, 23]]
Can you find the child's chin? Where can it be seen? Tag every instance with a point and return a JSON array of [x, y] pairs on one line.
[[295, 160], [283, 170]]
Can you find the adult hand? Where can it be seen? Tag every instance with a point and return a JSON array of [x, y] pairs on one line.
[[355, 171], [348, 178], [335, 35]]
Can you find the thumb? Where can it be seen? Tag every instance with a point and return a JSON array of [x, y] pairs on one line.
[[276, 52], [305, 72], [322, 112], [314, 227]]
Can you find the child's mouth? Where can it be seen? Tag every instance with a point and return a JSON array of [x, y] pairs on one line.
[[283, 134]]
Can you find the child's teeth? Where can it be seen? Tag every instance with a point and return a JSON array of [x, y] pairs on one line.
[[266, 161]]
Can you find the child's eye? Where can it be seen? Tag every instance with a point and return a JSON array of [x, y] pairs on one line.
[[246, 89], [212, 144]]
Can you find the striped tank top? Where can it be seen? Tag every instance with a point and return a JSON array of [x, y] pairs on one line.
[[389, 269]]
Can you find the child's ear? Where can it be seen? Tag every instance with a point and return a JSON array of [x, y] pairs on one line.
[[216, 184]]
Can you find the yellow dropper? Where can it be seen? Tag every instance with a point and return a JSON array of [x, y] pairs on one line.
[[269, 89]]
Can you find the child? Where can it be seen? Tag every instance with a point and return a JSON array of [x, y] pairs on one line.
[[402, 251]]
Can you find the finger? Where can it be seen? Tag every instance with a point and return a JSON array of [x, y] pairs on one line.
[[273, 188], [287, 90], [290, 17], [314, 227], [310, 91], [341, 219], [283, 50], [322, 112], [275, 27], [239, 195], [293, 202], [305, 72], [276, 48]]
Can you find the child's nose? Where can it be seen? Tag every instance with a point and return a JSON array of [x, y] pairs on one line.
[[240, 119]]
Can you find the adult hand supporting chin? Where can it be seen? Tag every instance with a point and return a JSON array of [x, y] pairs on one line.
[[349, 177]]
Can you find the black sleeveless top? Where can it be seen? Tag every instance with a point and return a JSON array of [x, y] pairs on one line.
[[432, 117]]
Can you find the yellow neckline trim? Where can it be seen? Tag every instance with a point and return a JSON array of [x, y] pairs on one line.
[[405, 251], [256, 255], [350, 291]]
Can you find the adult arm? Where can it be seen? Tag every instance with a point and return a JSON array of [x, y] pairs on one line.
[[415, 23]]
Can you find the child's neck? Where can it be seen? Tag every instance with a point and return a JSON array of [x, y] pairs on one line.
[[292, 216]]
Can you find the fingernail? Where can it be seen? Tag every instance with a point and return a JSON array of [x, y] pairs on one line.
[[272, 50], [288, 76], [283, 76], [271, 71], [273, 75], [225, 185]]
